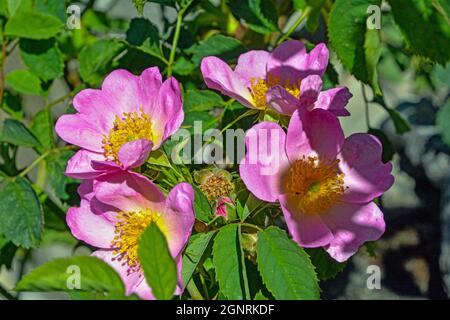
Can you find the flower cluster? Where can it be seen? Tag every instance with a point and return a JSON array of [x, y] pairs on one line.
[[324, 183]]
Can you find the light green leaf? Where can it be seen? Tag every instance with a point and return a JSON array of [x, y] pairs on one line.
[[203, 210], [183, 67], [56, 8], [24, 81], [95, 275], [21, 219], [97, 58], [228, 260], [33, 25], [16, 133], [193, 253], [159, 267], [285, 267], [42, 57], [159, 158]]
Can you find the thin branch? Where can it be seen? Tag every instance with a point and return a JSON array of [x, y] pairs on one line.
[[295, 25], [366, 103]]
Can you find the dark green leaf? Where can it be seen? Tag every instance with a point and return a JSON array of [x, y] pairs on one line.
[[326, 267], [12, 105], [226, 48], [96, 60], [42, 128], [443, 122], [285, 267], [42, 57], [203, 210], [401, 125], [202, 100], [427, 31], [183, 67], [193, 253], [56, 8], [228, 260], [33, 25], [21, 219], [57, 275], [260, 15], [159, 267], [7, 252], [144, 35], [16, 133], [56, 163], [388, 148]]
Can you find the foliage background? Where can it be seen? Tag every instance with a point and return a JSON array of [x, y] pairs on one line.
[[44, 64]]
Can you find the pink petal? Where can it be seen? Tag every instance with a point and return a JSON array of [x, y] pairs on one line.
[[134, 153], [281, 100], [334, 100], [128, 191], [130, 280], [179, 216], [93, 229], [80, 130], [80, 166], [95, 103], [123, 90], [219, 76], [352, 225], [150, 82], [309, 90], [307, 229], [168, 115], [317, 60], [313, 133], [366, 176], [265, 160], [252, 65]]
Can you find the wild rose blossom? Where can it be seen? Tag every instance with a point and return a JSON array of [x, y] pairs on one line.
[[325, 183], [284, 80], [116, 208], [118, 125]]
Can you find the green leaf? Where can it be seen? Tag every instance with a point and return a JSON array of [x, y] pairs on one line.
[[388, 149], [285, 267], [201, 100], [183, 67], [24, 81], [7, 252], [33, 25], [228, 260], [57, 275], [56, 8], [19, 6], [56, 163], [226, 48], [203, 210], [356, 47], [299, 4], [21, 219], [159, 267], [425, 29], [12, 105], [42, 128], [193, 253], [443, 123], [159, 158], [16, 133], [314, 15], [144, 35], [259, 15], [43, 58], [326, 267], [96, 60], [401, 125]]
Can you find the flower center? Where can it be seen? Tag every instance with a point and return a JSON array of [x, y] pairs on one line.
[[133, 126], [259, 88], [216, 186], [316, 184], [128, 230]]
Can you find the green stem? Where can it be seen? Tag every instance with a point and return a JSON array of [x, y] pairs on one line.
[[176, 37], [34, 163], [295, 25], [193, 291], [242, 116], [252, 226], [366, 103]]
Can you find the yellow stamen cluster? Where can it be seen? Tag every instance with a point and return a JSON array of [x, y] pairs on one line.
[[216, 186], [316, 184], [128, 230], [259, 88], [133, 126]]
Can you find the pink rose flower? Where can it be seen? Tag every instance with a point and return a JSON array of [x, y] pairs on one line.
[[325, 183], [116, 208], [284, 80], [118, 125]]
